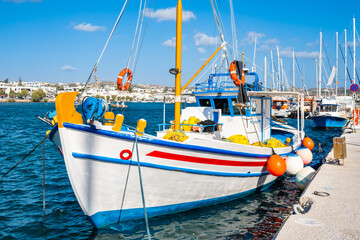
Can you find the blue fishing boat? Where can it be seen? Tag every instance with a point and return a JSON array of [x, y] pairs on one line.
[[329, 115]]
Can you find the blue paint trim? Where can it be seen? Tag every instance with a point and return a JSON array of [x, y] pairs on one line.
[[53, 131], [106, 218], [169, 168], [160, 142], [329, 121]]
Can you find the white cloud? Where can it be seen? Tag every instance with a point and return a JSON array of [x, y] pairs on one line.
[[287, 52], [265, 48], [68, 68], [351, 44], [22, 1], [201, 50], [250, 38], [201, 39], [312, 44], [272, 41], [306, 54], [169, 14], [87, 27], [170, 42]]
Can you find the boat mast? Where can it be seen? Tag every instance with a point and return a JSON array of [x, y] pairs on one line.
[[254, 66], [353, 81], [265, 72], [178, 65], [320, 64], [337, 63], [345, 60], [272, 71], [293, 70], [278, 55], [317, 76]]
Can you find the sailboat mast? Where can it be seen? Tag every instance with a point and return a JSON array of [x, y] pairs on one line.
[[293, 70], [320, 64], [317, 76], [353, 81], [337, 63], [254, 66], [178, 65], [265, 73], [272, 71], [345, 61], [278, 55]]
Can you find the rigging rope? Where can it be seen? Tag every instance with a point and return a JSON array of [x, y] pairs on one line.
[[143, 37], [352, 59], [327, 56], [102, 52], [218, 24], [302, 79], [136, 34], [141, 186], [126, 183], [342, 54], [24, 157]]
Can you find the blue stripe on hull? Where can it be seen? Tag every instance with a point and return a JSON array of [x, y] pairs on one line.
[[160, 142], [106, 218], [329, 121], [169, 168]]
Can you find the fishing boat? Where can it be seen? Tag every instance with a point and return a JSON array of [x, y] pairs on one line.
[[224, 148], [329, 115], [280, 106]]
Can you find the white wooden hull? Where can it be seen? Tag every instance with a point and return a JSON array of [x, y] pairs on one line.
[[176, 176]]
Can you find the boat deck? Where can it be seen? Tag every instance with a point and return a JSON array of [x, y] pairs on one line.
[[336, 216]]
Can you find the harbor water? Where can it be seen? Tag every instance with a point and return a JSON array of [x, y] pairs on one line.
[[257, 216]]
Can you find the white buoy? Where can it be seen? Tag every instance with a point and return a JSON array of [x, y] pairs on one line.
[[304, 176], [305, 154], [294, 164]]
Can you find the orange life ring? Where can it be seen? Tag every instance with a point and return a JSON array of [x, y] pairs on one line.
[[124, 87], [125, 152], [234, 76]]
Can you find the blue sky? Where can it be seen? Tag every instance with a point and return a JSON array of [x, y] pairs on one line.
[[60, 41]]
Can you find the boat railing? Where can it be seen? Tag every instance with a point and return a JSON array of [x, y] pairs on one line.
[[162, 126], [216, 82]]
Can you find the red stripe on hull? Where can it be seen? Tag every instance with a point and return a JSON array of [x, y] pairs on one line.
[[184, 158]]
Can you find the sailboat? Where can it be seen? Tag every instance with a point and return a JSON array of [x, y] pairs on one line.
[[215, 152]]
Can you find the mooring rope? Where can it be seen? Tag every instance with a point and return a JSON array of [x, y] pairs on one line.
[[141, 186], [126, 183], [24, 157], [44, 180]]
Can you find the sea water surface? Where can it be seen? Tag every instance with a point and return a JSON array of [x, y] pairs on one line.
[[257, 216]]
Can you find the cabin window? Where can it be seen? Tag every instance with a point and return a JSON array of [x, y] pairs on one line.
[[328, 108], [222, 104], [253, 106], [205, 102]]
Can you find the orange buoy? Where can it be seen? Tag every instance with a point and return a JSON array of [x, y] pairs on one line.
[[276, 165], [307, 142]]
